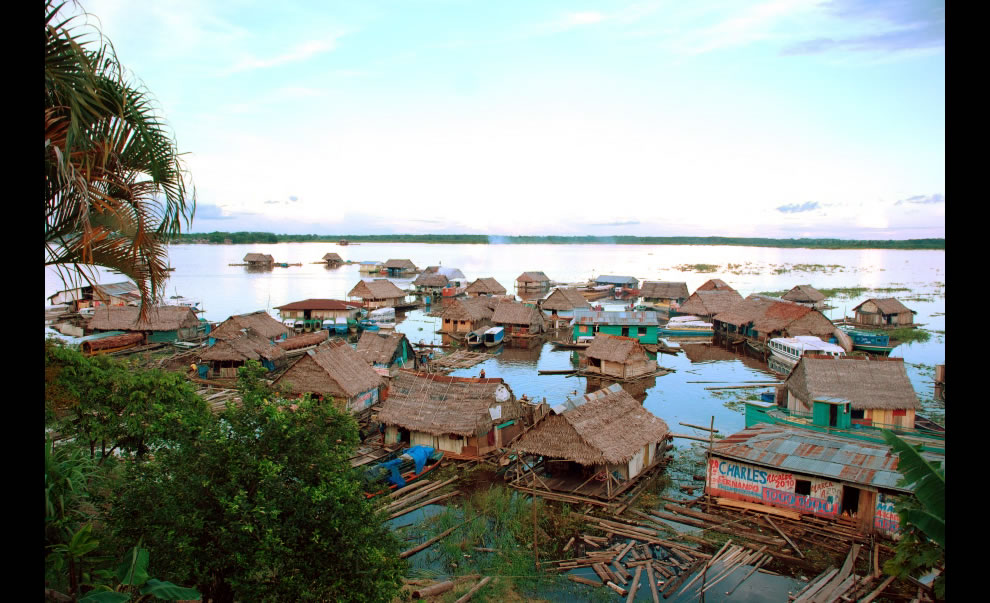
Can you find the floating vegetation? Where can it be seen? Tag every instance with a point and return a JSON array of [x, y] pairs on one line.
[[848, 292], [697, 267], [910, 335], [773, 293]]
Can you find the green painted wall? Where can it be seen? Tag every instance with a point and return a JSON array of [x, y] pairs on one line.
[[586, 330]]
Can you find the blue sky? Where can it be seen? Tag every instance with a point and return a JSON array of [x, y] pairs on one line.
[[783, 118]]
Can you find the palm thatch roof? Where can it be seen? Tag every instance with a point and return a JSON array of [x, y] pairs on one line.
[[332, 257], [663, 290], [708, 302], [375, 346], [804, 294], [380, 288], [532, 277], [160, 318], [440, 405], [430, 280], [248, 346], [260, 322], [400, 264], [320, 304], [263, 258], [887, 305], [614, 348], [516, 313], [334, 369], [304, 340], [768, 315], [486, 286], [470, 308], [868, 384], [566, 298], [714, 284], [606, 427]]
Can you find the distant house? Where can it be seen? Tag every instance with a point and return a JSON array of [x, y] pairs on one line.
[[532, 281], [371, 267], [706, 303], [629, 282], [560, 306], [163, 324], [714, 284], [309, 314], [87, 296], [227, 355], [430, 283], [333, 259], [806, 295], [386, 351], [641, 325], [400, 268], [454, 276], [334, 370], [518, 319], [259, 260], [260, 322], [463, 416], [763, 318], [597, 445], [883, 312], [484, 286], [465, 315], [620, 357], [879, 390], [379, 293], [664, 295]]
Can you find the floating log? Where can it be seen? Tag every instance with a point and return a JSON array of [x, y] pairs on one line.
[[558, 372], [583, 580], [689, 437], [617, 588], [407, 489], [635, 585], [421, 505], [433, 540], [653, 583], [672, 586], [398, 504], [700, 427], [467, 596], [432, 591]]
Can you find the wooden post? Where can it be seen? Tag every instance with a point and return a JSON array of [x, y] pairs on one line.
[[536, 548], [711, 442]]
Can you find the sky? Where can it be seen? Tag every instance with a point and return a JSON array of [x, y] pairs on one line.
[[780, 118]]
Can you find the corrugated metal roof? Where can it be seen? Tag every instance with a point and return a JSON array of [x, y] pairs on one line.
[[612, 279], [604, 317]]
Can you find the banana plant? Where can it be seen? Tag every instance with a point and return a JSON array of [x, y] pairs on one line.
[[132, 577], [928, 483]]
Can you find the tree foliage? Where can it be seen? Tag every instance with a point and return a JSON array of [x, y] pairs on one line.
[[263, 505]]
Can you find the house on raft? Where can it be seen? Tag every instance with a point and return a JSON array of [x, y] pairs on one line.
[[466, 417], [618, 357], [259, 321], [430, 283], [641, 325], [400, 268], [467, 314], [227, 355], [163, 323], [596, 446], [484, 286], [627, 282], [518, 319], [887, 312], [332, 260], [334, 370], [806, 295], [455, 277], [706, 303], [664, 295], [259, 260], [762, 319], [93, 296], [385, 352], [810, 473], [559, 306], [532, 281], [371, 267], [378, 293], [310, 314]]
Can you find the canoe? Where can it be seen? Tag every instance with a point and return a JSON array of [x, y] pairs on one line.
[[400, 468]]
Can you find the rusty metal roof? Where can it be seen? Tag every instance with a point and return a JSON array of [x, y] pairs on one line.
[[604, 317], [812, 453]]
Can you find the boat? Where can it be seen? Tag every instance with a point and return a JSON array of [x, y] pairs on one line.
[[366, 325], [383, 318], [869, 341], [399, 468], [336, 326], [788, 350], [493, 337], [476, 337], [686, 326]]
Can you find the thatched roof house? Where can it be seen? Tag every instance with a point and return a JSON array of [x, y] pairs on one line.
[[334, 370], [260, 322], [453, 275], [110, 294], [259, 259], [564, 299], [706, 303], [400, 268], [664, 292], [385, 350], [227, 355], [459, 415], [616, 356], [304, 340], [430, 281], [333, 258], [164, 323], [466, 315], [517, 318], [714, 284], [764, 318], [884, 312], [485, 286], [806, 295], [878, 389], [378, 293], [532, 280]]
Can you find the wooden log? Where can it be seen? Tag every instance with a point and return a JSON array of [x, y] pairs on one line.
[[735, 530], [467, 596], [407, 489], [616, 588], [688, 437], [622, 553], [429, 542], [569, 544], [818, 585], [673, 585], [653, 583], [431, 591], [729, 502], [789, 541], [583, 580], [619, 572], [879, 589], [398, 504], [601, 572], [421, 505], [699, 427], [635, 585]]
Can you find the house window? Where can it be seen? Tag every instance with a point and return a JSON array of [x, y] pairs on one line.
[[900, 412], [642, 331], [858, 414], [802, 487]]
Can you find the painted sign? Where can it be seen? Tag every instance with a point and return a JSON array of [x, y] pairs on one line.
[[885, 518], [738, 480]]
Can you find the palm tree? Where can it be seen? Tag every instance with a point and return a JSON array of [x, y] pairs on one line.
[[115, 187]]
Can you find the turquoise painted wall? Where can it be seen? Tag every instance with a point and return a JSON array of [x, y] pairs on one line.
[[649, 337]]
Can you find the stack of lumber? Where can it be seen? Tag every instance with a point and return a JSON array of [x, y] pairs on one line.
[[728, 559], [401, 501], [458, 360], [838, 585], [216, 398]]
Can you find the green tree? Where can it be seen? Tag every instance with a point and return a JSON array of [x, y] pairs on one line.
[[115, 188], [262, 506]]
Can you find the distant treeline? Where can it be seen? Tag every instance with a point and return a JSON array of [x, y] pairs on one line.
[[268, 237]]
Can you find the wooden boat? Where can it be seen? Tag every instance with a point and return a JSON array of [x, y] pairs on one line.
[[686, 326], [400, 468], [788, 350], [867, 341], [493, 337]]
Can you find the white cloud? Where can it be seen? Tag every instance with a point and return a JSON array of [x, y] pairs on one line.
[[300, 52]]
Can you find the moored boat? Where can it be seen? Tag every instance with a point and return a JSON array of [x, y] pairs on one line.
[[399, 468], [788, 350], [493, 337], [867, 341], [686, 326]]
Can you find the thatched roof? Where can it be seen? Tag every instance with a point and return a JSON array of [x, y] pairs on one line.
[[532, 277], [114, 341], [320, 304], [450, 273], [516, 313], [745, 311], [608, 427], [304, 340], [470, 308], [334, 369], [485, 285], [868, 384], [260, 322], [714, 284], [887, 305], [805, 294], [430, 280], [380, 288], [439, 405], [663, 290], [613, 348], [259, 257], [332, 257], [401, 264], [375, 346], [565, 299], [160, 318], [768, 315], [248, 346], [708, 302]]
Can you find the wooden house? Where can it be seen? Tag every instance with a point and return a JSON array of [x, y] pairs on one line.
[[333, 260], [597, 445], [619, 357], [878, 390], [664, 295], [400, 268], [260, 322], [309, 314], [465, 315], [455, 277], [806, 295], [628, 282], [532, 281], [379, 293], [259, 260], [335, 371], [164, 323], [385, 351], [883, 312], [810, 473], [762, 319], [642, 326], [706, 303], [484, 286], [430, 283], [371, 267], [462, 416], [93, 296], [518, 319], [559, 306], [227, 355], [715, 284]]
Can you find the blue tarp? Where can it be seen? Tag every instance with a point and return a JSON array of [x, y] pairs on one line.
[[419, 455]]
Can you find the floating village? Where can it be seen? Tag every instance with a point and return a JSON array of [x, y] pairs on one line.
[[808, 488]]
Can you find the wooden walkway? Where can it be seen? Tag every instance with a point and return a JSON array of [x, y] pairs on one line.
[[458, 360]]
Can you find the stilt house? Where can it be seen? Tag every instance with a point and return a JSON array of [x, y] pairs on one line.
[[532, 281], [400, 268], [762, 319], [706, 303], [518, 319], [629, 282], [164, 323], [86, 296], [465, 315], [430, 283], [664, 295], [560, 306], [379, 293], [260, 322], [259, 260], [333, 259], [640, 325], [619, 357], [334, 370], [386, 351]]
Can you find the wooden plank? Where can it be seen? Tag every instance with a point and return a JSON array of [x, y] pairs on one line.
[[879, 589], [789, 541], [421, 505], [583, 580], [729, 502], [818, 585], [635, 585]]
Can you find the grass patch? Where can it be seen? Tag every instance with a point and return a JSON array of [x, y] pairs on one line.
[[774, 293], [910, 335], [697, 267]]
